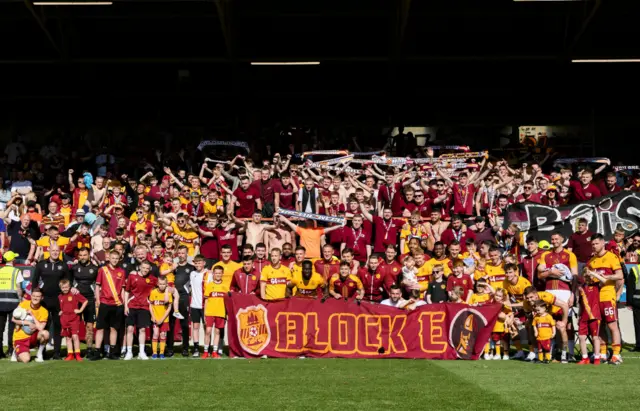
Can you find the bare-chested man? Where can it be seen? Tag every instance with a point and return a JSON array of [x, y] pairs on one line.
[[253, 229], [435, 227], [277, 236]]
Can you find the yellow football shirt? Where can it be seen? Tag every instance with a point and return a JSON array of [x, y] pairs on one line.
[[187, 237], [308, 290], [496, 274], [160, 303], [606, 265], [45, 242], [517, 290], [214, 299], [41, 314], [433, 262], [544, 324], [479, 299], [276, 280], [229, 267]]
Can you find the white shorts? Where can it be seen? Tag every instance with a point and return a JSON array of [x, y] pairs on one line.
[[562, 295]]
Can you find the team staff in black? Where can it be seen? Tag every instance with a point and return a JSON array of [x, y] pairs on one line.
[[182, 279], [85, 274], [49, 272]]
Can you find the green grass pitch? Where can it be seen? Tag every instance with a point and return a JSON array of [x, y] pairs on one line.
[[317, 384]]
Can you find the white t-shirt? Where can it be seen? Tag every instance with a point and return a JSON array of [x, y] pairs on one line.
[[195, 280], [401, 302]]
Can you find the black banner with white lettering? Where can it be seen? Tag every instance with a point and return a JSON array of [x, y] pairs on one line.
[[604, 214]]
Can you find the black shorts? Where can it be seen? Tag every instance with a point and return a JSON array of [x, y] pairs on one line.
[[139, 318], [89, 313], [197, 315], [109, 316]]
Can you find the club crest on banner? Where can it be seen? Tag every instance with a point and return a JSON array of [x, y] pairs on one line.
[[254, 332], [464, 332]]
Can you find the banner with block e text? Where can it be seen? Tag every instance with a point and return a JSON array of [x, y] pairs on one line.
[[336, 328]]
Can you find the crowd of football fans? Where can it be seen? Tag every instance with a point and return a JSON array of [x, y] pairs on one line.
[[100, 256]]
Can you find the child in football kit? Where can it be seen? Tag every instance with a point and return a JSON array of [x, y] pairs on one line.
[[70, 318], [159, 306], [214, 311], [544, 328], [590, 318], [481, 296], [504, 325]]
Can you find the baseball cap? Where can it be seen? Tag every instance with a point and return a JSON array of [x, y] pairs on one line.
[[544, 244], [10, 256]]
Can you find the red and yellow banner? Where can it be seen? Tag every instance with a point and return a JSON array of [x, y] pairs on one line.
[[337, 328]]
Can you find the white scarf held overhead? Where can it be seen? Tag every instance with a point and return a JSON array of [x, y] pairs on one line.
[[241, 144], [338, 160], [311, 216]]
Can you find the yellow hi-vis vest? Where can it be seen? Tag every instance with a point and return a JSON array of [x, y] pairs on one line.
[[9, 288]]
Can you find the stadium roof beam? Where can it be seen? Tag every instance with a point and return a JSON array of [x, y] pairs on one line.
[[401, 24], [224, 14], [585, 24], [46, 31]]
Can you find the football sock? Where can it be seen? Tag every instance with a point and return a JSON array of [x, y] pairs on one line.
[[540, 356], [547, 356], [616, 349], [129, 349], [603, 351], [215, 348], [196, 346], [563, 354], [498, 350], [486, 348], [163, 344], [154, 346], [585, 355], [41, 348], [112, 349]]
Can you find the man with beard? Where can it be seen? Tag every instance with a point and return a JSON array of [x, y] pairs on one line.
[[49, 272], [457, 232], [454, 253], [372, 280], [328, 265], [307, 284], [84, 274], [287, 257], [386, 228], [395, 298], [609, 184]]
